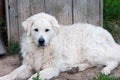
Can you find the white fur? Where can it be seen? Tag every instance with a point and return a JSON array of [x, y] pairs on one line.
[[78, 45]]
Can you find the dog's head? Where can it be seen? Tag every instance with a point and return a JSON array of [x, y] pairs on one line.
[[41, 28]]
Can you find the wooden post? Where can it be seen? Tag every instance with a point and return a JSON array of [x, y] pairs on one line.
[[7, 19]]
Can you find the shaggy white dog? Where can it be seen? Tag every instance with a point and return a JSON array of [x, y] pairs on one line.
[[50, 48]]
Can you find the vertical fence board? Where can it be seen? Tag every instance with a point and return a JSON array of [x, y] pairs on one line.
[[13, 20], [61, 9], [37, 6], [101, 12], [93, 12], [66, 11], [23, 13], [7, 18], [79, 11]]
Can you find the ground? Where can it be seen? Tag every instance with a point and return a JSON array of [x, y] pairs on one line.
[[9, 63]]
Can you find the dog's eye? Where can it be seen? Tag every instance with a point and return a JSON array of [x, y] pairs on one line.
[[46, 30], [36, 29]]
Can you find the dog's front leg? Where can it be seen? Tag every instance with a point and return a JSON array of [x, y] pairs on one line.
[[22, 72], [47, 74]]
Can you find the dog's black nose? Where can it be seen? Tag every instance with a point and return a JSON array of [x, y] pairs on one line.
[[41, 41]]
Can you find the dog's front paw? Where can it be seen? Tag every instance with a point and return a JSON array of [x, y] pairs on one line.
[[106, 71], [4, 78], [1, 78]]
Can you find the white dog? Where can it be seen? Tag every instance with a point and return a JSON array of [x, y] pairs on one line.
[[50, 48]]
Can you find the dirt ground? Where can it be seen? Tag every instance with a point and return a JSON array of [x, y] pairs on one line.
[[9, 63]]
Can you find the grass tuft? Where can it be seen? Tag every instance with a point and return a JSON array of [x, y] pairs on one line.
[[13, 47], [101, 76], [111, 17], [111, 9], [37, 77]]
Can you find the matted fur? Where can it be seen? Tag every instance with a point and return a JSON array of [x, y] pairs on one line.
[[79, 45]]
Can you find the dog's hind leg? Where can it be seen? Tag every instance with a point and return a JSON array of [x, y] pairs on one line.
[[109, 67], [84, 66], [79, 67]]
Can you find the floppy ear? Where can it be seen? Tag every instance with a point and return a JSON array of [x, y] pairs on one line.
[[27, 24], [55, 25]]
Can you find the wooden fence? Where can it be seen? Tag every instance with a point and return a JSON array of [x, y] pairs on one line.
[[66, 11]]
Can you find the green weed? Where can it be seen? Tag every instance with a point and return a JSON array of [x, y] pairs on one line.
[[111, 9], [37, 77], [111, 17], [13, 47], [101, 76]]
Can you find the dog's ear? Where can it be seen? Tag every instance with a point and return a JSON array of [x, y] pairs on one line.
[[27, 24], [55, 25]]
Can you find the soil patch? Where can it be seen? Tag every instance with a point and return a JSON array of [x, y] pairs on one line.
[[9, 63]]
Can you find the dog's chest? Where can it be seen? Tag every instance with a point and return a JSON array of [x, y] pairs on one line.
[[37, 61], [42, 59]]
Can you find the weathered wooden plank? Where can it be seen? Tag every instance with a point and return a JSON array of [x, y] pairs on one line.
[[7, 18], [66, 11], [14, 34], [93, 12], [37, 6], [23, 13], [101, 12], [61, 9], [79, 11]]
